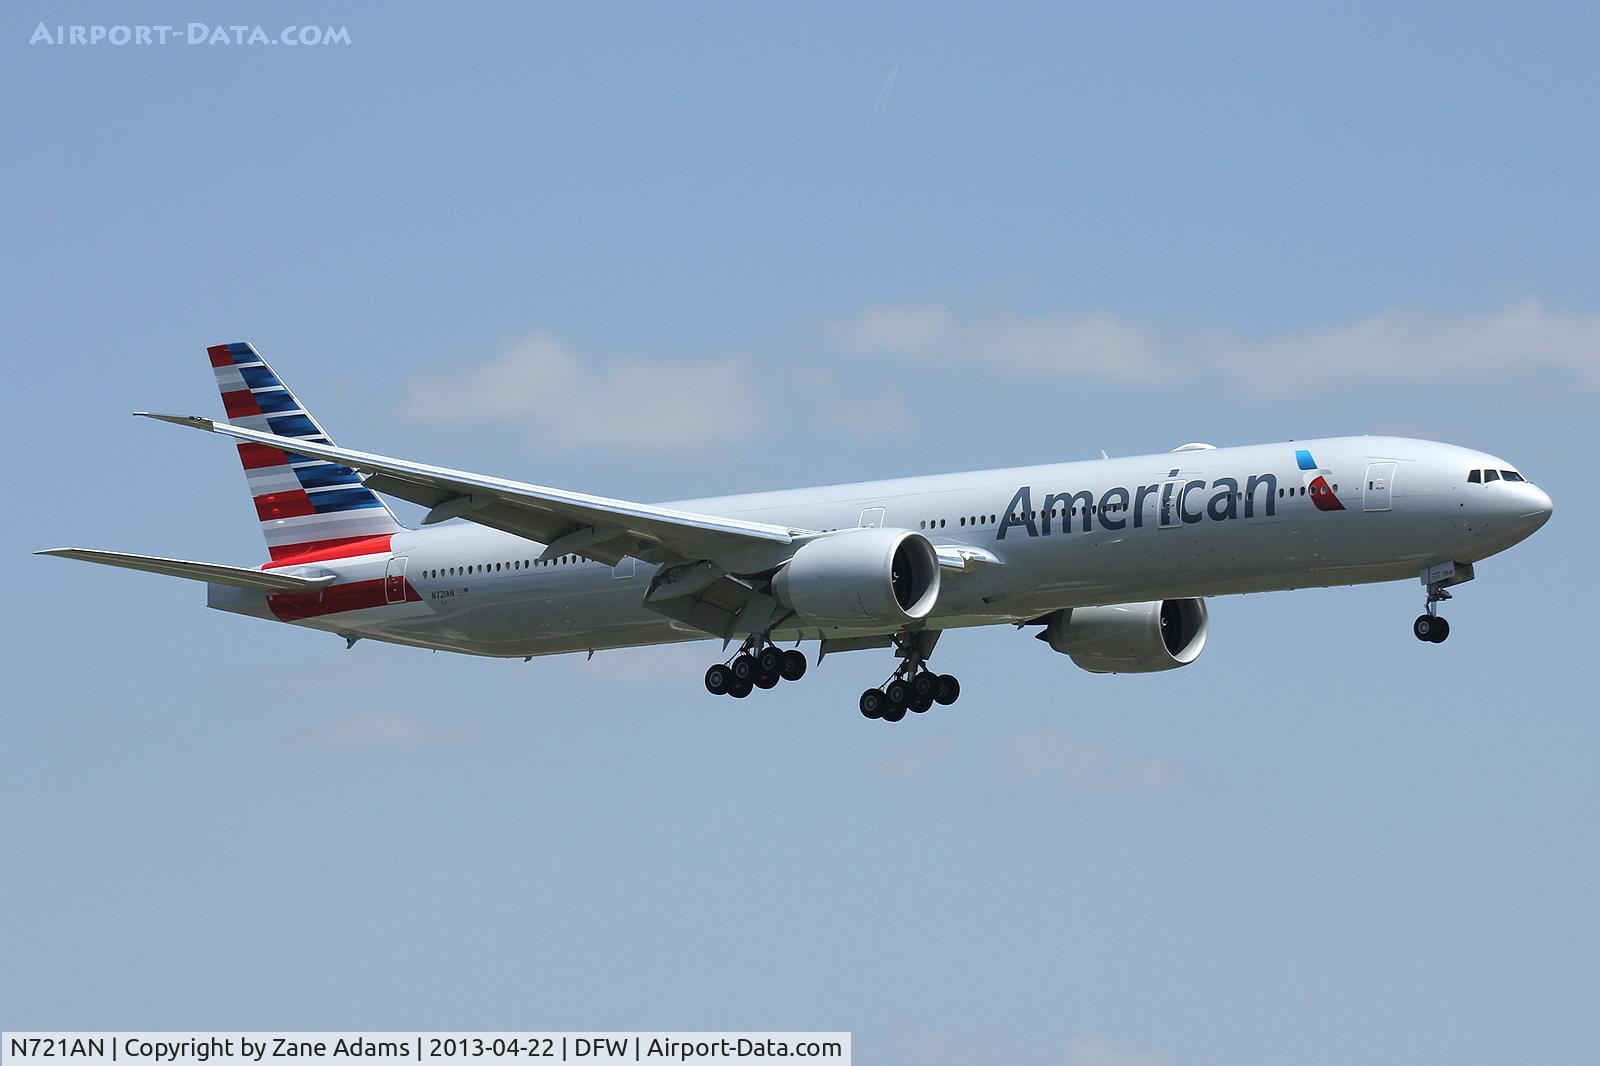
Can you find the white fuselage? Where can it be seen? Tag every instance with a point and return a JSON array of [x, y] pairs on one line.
[[1203, 522]]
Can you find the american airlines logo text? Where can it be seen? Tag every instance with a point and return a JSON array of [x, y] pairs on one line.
[[1177, 502]]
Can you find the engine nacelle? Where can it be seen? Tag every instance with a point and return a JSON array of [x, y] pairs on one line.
[[1130, 638], [861, 577]]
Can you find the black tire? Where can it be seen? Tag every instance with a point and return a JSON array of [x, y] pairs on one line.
[[1424, 627], [921, 703], [872, 703], [769, 663], [898, 693], [947, 691], [739, 689], [717, 680], [766, 681], [794, 664], [1441, 631], [893, 714], [744, 668], [924, 683]]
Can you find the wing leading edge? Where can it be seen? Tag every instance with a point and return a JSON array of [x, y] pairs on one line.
[[603, 529]]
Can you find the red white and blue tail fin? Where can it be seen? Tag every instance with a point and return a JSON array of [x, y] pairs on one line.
[[309, 508]]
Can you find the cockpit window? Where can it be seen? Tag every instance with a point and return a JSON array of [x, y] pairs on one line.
[[1491, 475], [1476, 477], [1511, 475]]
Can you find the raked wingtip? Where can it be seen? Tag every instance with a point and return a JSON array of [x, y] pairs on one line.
[[178, 420]]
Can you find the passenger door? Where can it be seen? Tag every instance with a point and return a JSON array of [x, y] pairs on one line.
[[872, 518], [1378, 491], [394, 580], [1169, 505]]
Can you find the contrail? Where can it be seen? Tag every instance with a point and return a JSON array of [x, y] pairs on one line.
[[883, 96]]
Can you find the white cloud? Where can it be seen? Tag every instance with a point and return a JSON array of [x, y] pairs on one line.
[[377, 729], [918, 759], [1438, 349], [1092, 1051], [1054, 753], [566, 401]]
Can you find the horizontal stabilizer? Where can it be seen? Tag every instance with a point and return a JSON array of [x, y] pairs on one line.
[[214, 573]]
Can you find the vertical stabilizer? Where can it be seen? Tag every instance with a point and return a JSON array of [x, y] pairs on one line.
[[308, 508]]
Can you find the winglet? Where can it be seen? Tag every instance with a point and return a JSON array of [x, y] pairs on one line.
[[180, 420]]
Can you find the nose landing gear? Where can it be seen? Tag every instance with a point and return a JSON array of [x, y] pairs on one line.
[[1430, 627]]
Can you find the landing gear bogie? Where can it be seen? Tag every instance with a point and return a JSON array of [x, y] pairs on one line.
[[912, 687], [758, 664]]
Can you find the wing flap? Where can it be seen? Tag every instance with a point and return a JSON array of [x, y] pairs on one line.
[[212, 573]]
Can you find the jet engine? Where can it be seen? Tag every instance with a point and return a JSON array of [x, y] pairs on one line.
[[1130, 638], [861, 578]]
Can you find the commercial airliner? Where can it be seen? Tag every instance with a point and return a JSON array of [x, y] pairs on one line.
[[1111, 559]]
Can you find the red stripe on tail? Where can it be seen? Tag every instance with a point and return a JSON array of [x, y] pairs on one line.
[[256, 456], [318, 551], [292, 504], [240, 404]]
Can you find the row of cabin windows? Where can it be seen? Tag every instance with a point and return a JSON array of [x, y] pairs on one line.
[[492, 568], [1483, 477], [1110, 508]]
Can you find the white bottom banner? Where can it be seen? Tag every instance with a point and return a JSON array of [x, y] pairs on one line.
[[413, 1049]]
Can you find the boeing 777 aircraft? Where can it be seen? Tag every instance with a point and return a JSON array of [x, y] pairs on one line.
[[1111, 558]]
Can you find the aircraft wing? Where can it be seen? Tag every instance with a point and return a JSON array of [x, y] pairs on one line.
[[594, 526], [213, 573]]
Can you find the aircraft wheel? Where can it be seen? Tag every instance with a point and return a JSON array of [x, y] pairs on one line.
[[744, 668], [717, 680], [766, 681], [872, 703], [947, 691], [894, 712], [1426, 628], [739, 689], [923, 685], [898, 694], [794, 664], [769, 662], [921, 703], [1441, 630]]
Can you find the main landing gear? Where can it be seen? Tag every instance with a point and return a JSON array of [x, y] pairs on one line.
[[912, 686], [758, 664]]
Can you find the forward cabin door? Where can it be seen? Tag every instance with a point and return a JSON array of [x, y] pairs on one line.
[[872, 518], [1169, 505], [1376, 494], [394, 580]]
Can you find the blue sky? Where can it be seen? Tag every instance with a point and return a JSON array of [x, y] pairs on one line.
[[662, 252]]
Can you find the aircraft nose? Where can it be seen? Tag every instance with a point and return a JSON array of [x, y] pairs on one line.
[[1538, 508]]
